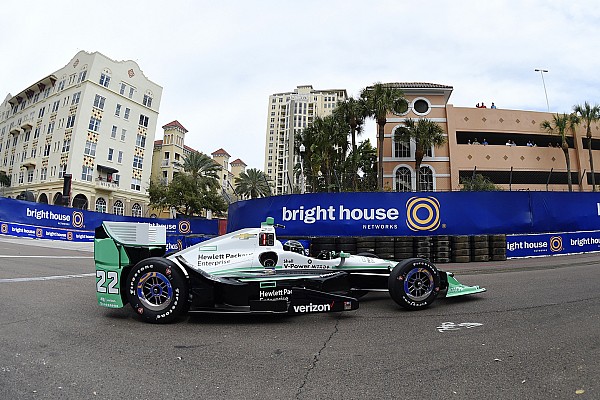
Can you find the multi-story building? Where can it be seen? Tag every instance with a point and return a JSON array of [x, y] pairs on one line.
[[288, 114], [90, 121], [230, 171], [507, 146]]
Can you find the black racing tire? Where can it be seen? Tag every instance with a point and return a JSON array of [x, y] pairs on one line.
[[158, 290], [461, 246], [414, 283]]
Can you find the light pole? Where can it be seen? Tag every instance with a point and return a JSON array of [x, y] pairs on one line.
[[302, 186], [541, 71]]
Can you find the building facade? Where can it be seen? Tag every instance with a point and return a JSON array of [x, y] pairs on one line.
[[507, 146], [90, 121], [289, 113]]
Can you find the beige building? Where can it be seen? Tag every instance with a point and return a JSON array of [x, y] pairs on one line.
[[288, 114], [534, 162], [92, 120]]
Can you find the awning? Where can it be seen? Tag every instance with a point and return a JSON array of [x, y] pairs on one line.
[[106, 169]]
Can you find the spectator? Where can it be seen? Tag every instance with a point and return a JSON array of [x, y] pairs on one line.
[[469, 142], [508, 143], [512, 143], [477, 105], [493, 105], [483, 105], [475, 141], [485, 142], [529, 144]]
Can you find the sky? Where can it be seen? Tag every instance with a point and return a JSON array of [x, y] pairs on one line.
[[218, 61]]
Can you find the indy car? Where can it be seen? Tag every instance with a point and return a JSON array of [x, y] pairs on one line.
[[250, 271]]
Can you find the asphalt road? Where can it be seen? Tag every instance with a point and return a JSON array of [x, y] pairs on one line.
[[535, 334]]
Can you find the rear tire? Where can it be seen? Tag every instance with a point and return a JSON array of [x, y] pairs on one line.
[[414, 283], [158, 290]]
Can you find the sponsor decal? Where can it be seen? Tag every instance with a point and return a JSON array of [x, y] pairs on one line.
[[347, 305], [423, 213], [536, 246], [330, 213], [311, 308], [77, 219], [4, 228], [289, 263], [49, 215], [244, 236], [208, 260], [69, 235], [184, 227], [556, 243], [280, 294], [39, 232]]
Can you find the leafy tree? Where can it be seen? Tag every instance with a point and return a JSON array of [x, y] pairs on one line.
[[203, 169], [352, 113], [589, 114], [380, 99], [425, 133], [558, 126], [252, 184], [4, 179], [478, 183]]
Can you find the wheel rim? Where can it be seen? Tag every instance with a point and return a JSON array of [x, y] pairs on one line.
[[418, 284], [155, 291]]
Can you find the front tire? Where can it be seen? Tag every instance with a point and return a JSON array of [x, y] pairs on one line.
[[414, 283], [157, 290]]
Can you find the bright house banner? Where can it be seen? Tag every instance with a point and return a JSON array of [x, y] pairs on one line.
[[43, 221], [421, 213], [550, 244]]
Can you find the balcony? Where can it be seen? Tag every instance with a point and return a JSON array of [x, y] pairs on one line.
[[164, 163], [15, 131], [26, 126], [28, 162], [103, 184]]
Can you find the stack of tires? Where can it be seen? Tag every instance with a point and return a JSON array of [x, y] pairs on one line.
[[441, 249], [423, 246], [461, 249], [346, 244], [365, 245], [384, 247], [497, 247], [403, 248], [480, 248]]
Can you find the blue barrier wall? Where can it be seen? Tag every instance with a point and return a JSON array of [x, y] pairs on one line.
[[43, 221], [421, 214]]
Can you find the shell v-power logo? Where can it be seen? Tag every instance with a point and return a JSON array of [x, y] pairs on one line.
[[423, 213]]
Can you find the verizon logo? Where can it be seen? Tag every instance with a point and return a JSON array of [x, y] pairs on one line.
[[308, 308]]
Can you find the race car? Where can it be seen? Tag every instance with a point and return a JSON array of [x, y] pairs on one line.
[[250, 271]]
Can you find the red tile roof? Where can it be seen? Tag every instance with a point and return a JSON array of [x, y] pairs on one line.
[[175, 124], [238, 162], [220, 152]]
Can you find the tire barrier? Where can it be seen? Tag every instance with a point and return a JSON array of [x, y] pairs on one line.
[[438, 249]]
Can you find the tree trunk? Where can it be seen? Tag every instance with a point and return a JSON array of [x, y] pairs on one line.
[[380, 126], [589, 136], [418, 160], [565, 148], [353, 126]]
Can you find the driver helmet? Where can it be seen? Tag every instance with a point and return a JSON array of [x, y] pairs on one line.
[[294, 245]]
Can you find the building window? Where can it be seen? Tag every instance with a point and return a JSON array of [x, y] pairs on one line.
[[143, 120], [127, 111], [131, 90], [66, 145], [47, 150], [94, 124], [120, 157], [21, 177], [29, 175], [136, 210], [55, 106], [136, 184], [99, 102], [140, 141], [82, 76], [401, 149], [123, 134], [403, 180], [75, 99], [118, 110], [118, 207], [122, 89], [110, 154], [50, 127], [104, 79], [147, 101], [113, 133], [44, 173], [90, 148], [62, 170], [100, 205], [425, 179], [138, 161], [70, 121], [41, 112]]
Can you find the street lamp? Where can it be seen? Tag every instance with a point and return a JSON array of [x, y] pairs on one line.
[[541, 71], [302, 185]]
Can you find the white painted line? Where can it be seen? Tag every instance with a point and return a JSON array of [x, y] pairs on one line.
[[451, 326], [45, 278], [25, 256]]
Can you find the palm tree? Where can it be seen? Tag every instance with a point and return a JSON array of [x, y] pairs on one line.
[[380, 99], [589, 114], [426, 134], [204, 170], [252, 183], [352, 113], [559, 126]]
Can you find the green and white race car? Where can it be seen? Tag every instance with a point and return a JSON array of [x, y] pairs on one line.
[[250, 271]]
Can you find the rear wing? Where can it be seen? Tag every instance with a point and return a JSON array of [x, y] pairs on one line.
[[135, 233]]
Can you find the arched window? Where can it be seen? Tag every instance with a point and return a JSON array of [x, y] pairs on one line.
[[100, 205], [80, 201], [425, 179], [401, 149], [118, 207], [136, 210], [403, 180], [43, 198], [57, 200]]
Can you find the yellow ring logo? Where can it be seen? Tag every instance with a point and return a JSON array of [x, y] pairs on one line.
[[38, 232], [556, 243], [77, 219], [4, 228], [184, 227], [69, 235], [428, 208]]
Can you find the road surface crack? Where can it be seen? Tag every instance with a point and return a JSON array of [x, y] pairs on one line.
[[316, 358]]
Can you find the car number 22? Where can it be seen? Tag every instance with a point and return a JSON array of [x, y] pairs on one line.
[[108, 282]]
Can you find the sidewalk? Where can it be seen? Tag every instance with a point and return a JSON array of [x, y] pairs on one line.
[[63, 244]]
